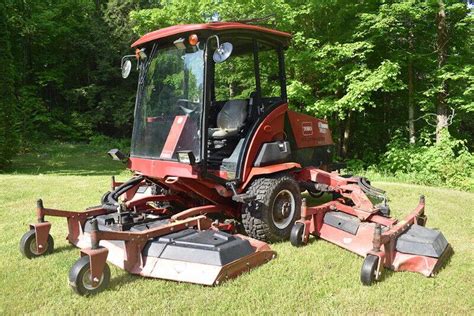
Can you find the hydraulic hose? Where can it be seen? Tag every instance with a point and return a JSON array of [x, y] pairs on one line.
[[110, 199]]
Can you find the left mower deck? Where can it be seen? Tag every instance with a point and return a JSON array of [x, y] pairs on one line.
[[192, 249]]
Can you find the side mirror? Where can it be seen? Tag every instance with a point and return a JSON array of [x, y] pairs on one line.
[[222, 52], [126, 68]]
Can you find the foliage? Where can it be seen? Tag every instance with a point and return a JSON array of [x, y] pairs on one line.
[[447, 163], [105, 142], [8, 124], [358, 64]]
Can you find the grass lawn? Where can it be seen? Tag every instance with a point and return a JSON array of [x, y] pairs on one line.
[[318, 278]]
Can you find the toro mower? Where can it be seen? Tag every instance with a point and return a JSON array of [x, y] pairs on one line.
[[220, 163]]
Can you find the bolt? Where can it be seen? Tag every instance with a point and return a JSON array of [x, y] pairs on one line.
[[40, 246], [96, 279]]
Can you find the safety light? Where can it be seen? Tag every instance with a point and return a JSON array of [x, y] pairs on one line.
[[193, 39], [187, 157], [140, 54]]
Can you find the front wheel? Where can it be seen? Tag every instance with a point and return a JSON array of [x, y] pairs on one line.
[[271, 216], [28, 245], [296, 237], [368, 273], [80, 278]]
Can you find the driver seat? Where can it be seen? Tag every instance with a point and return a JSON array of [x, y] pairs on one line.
[[230, 120]]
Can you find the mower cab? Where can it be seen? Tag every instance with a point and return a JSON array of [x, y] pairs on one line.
[[216, 150]]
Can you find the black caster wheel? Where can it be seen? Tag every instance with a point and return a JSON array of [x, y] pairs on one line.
[[369, 270], [296, 236], [80, 278], [28, 245]]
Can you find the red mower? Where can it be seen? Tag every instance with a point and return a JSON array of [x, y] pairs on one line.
[[220, 163]]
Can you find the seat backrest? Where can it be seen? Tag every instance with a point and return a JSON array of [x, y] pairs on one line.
[[232, 115]]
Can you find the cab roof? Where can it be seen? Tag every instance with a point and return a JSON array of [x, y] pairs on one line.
[[207, 29]]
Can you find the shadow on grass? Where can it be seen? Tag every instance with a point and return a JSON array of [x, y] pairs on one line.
[[63, 249], [117, 282], [65, 159]]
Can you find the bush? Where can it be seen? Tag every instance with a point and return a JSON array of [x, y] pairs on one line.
[[448, 163], [102, 141]]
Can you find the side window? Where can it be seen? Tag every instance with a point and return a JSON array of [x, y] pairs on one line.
[[235, 77], [269, 72]]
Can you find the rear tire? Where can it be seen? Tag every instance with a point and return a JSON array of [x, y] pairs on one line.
[[369, 270], [271, 216]]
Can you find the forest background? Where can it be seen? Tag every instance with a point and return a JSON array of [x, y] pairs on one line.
[[395, 79]]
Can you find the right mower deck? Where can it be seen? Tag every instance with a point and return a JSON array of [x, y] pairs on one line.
[[384, 242]]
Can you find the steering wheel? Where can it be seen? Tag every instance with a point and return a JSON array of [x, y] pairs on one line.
[[190, 105]]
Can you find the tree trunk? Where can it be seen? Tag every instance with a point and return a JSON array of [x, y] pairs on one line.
[[231, 89], [411, 93], [341, 125], [442, 48], [346, 135], [411, 106]]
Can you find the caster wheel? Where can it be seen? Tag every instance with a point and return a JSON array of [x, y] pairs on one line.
[[80, 278], [28, 245], [296, 236], [369, 270]]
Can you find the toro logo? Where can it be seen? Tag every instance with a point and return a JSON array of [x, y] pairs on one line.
[[307, 128]]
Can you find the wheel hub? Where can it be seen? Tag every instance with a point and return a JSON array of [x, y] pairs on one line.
[[34, 249], [284, 207], [89, 283]]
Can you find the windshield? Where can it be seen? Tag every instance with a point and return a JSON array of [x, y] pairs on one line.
[[169, 103]]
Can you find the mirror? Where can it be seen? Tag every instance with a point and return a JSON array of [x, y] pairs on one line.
[[126, 68], [222, 52]]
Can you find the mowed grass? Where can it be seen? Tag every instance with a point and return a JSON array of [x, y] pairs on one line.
[[317, 278]]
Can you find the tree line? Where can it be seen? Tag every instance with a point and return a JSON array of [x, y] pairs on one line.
[[386, 74]]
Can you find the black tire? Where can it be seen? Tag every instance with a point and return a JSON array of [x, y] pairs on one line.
[[271, 216], [369, 269], [28, 245], [296, 236], [79, 278]]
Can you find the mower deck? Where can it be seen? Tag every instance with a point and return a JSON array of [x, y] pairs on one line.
[[385, 242], [205, 257], [180, 248]]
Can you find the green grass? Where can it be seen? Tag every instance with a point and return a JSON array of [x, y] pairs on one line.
[[318, 278]]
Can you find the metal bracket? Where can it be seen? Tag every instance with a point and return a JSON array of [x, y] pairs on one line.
[[241, 198], [97, 260], [41, 234]]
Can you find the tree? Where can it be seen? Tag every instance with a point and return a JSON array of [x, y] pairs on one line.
[[442, 50], [8, 125]]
